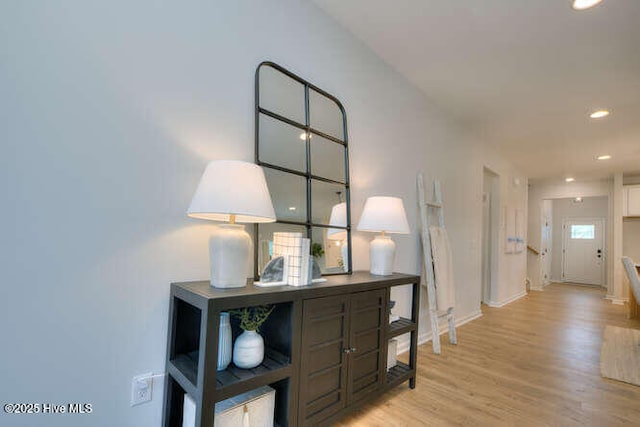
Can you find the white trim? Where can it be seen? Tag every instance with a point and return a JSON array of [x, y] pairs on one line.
[[508, 300], [403, 344], [536, 288], [582, 285], [615, 300], [546, 252]]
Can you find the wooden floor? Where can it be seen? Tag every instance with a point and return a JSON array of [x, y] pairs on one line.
[[534, 362]]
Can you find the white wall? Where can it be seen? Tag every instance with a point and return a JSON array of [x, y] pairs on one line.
[[630, 244], [542, 190], [511, 267], [618, 290], [590, 207], [631, 238], [110, 112], [631, 179]]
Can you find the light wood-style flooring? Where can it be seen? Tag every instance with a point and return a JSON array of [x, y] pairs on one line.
[[534, 362]]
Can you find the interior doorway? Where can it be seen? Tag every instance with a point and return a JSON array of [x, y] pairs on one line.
[[583, 251], [490, 236]]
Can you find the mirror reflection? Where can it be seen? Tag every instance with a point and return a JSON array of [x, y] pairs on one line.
[[303, 168], [288, 194], [324, 196], [282, 144], [325, 115], [327, 158], [264, 248], [281, 94], [330, 253]]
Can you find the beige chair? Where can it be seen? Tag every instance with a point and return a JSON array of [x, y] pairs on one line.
[[632, 274]]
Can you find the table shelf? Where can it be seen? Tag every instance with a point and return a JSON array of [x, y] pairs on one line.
[[398, 374], [401, 326]]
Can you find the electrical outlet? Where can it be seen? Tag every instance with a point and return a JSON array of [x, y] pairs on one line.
[[141, 388]]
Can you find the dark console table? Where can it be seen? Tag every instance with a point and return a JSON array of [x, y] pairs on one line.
[[325, 347]]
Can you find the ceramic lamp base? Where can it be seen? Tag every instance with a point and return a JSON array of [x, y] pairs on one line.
[[382, 252], [230, 252]]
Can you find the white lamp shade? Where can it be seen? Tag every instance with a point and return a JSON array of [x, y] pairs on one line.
[[232, 187], [338, 218], [384, 214]]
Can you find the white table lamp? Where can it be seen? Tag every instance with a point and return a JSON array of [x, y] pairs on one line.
[[383, 215], [338, 218], [231, 191]]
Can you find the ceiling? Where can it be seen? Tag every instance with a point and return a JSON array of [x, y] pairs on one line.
[[523, 75]]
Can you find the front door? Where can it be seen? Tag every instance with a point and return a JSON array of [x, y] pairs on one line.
[[583, 251]]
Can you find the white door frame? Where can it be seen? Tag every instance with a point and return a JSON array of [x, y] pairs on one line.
[[488, 291], [565, 234], [487, 254], [546, 249]]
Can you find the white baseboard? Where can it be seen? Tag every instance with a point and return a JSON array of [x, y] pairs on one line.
[[616, 300], [403, 345], [537, 288], [508, 300]]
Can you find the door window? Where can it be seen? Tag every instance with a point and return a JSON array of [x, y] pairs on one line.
[[583, 231]]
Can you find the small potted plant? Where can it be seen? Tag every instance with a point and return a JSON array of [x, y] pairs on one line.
[[248, 350], [317, 251]]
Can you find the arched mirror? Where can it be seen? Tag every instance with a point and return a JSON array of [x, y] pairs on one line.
[[301, 142]]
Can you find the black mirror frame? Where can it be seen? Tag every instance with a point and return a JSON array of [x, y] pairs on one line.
[[309, 224]]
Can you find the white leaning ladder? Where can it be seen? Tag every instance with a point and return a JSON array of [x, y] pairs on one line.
[[434, 207]]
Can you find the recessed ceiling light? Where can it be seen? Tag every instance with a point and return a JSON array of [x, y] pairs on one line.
[[578, 200], [604, 157], [584, 4], [569, 179], [292, 208], [599, 114]]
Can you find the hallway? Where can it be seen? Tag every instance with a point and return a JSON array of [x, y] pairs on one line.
[[533, 362]]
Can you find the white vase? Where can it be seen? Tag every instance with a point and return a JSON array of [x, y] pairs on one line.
[[224, 342], [248, 350]]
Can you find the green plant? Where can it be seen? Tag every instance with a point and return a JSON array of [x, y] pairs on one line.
[[316, 250], [251, 318]]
